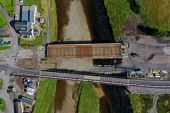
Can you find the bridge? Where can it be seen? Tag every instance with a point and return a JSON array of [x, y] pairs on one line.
[[89, 78], [94, 51]]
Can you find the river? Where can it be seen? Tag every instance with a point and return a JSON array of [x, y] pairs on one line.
[[115, 99]]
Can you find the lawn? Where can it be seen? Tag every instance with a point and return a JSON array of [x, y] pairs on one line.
[[140, 103], [156, 14], [53, 21], [3, 21], [88, 102], [45, 96], [163, 104], [34, 2], [118, 11], [1, 83], [31, 42], [2, 104], [4, 47], [9, 6]]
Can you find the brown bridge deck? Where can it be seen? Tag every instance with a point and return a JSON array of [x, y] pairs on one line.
[[94, 51]]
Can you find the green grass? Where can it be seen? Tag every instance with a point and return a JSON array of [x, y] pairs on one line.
[[156, 14], [9, 6], [2, 104], [45, 96], [140, 103], [4, 47], [31, 42], [34, 2], [118, 11], [53, 21], [3, 21], [1, 83], [88, 102], [163, 104]]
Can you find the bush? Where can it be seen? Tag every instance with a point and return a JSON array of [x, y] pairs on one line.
[[2, 104], [163, 104], [118, 11]]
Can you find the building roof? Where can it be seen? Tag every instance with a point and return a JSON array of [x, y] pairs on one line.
[[94, 51], [27, 100], [28, 13], [25, 13], [24, 28]]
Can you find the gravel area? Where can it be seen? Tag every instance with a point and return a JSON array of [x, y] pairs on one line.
[[152, 54]]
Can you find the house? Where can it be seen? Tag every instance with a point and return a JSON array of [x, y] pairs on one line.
[[27, 101], [27, 19], [24, 28], [28, 13]]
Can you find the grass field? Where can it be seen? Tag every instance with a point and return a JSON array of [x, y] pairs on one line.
[[156, 13], [4, 47], [140, 103], [163, 104], [34, 2], [9, 6], [3, 21], [53, 21], [2, 104], [118, 11], [45, 96], [88, 102], [1, 83], [31, 42]]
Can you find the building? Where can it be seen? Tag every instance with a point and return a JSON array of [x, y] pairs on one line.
[[24, 28], [27, 101], [94, 51], [28, 13], [27, 19]]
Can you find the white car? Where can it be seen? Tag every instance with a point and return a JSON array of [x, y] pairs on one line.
[[21, 1]]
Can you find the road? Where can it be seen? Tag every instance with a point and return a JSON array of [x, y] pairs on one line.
[[78, 77]]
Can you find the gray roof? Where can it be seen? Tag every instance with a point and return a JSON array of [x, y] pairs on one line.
[[32, 9], [28, 13], [25, 13], [23, 26], [27, 100]]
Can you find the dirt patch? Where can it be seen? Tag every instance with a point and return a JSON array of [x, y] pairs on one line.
[[62, 16], [130, 26], [87, 10], [102, 100], [77, 28], [59, 95]]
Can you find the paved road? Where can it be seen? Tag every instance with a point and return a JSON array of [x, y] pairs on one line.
[[95, 79]]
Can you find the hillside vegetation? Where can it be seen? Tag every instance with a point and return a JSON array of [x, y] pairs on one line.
[[118, 11], [140, 103], [88, 102], [156, 13], [9, 6], [3, 21], [45, 96], [34, 2], [163, 104]]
